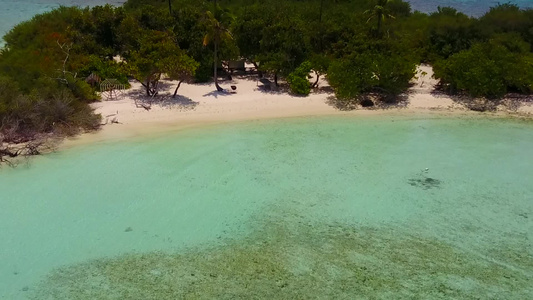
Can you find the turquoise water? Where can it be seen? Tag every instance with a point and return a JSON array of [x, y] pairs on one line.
[[381, 208]]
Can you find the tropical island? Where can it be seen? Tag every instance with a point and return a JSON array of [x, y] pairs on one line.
[[58, 70], [267, 149]]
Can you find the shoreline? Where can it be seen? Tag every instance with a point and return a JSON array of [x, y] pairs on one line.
[[198, 105]]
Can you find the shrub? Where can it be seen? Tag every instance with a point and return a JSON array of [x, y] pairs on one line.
[[386, 75], [487, 70], [298, 82]]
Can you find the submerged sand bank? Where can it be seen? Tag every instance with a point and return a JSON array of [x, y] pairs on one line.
[[201, 104]]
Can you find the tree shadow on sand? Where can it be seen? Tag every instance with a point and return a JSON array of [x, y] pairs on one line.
[[217, 94], [511, 102], [164, 100], [369, 102]]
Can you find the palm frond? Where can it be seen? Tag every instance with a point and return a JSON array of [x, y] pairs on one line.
[[207, 39]]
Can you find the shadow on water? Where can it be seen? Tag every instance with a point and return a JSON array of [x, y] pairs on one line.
[[424, 182], [288, 257]]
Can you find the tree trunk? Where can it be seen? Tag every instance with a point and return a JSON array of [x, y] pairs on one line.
[[276, 78], [170, 6], [259, 73], [317, 78], [148, 87], [216, 69], [320, 15], [320, 40], [155, 86], [176, 91]]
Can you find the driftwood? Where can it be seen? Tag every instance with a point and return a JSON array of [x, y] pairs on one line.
[[114, 120], [16, 143], [140, 104], [10, 154], [65, 48]]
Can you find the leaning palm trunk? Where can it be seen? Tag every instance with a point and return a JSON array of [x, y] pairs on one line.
[[217, 33], [215, 69]]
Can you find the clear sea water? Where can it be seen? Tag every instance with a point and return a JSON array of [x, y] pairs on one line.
[[389, 207], [13, 12]]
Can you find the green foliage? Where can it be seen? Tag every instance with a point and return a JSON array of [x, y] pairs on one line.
[[320, 63], [189, 30], [388, 75], [158, 54], [350, 76], [105, 69], [81, 89], [180, 67], [449, 32], [40, 68], [487, 70], [218, 34], [298, 81], [380, 12], [53, 109], [283, 47], [248, 30], [512, 41], [204, 72], [505, 18], [399, 9]]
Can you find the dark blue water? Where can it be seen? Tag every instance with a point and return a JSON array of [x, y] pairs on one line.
[[474, 8]]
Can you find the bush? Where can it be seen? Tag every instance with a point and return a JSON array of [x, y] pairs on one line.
[[487, 70], [351, 76], [204, 73], [81, 89], [449, 32], [298, 82], [105, 69], [386, 75]]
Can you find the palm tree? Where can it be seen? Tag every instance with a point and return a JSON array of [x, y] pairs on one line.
[[217, 33], [379, 11]]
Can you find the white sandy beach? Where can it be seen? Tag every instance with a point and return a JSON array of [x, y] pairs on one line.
[[200, 104]]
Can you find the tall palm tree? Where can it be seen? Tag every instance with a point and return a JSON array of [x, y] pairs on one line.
[[217, 33], [380, 13]]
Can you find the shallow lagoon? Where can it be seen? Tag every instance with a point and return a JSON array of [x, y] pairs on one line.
[[311, 207]]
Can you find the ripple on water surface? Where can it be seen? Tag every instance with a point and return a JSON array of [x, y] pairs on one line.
[[300, 208]]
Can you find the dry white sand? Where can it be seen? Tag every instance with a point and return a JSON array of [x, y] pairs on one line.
[[200, 104]]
